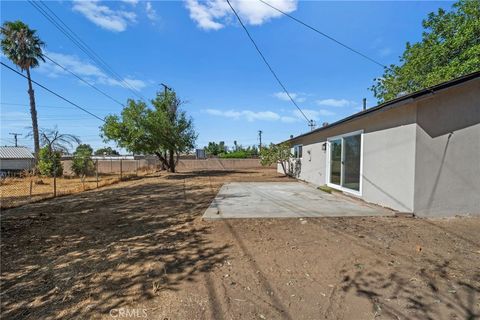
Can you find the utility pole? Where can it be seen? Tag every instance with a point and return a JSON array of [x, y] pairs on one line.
[[312, 124], [15, 135], [165, 88], [260, 138]]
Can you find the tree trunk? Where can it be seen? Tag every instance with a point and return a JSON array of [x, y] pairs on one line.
[[171, 160], [283, 167], [169, 163], [163, 160], [33, 113]]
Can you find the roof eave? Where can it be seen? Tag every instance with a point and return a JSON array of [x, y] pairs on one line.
[[395, 102]]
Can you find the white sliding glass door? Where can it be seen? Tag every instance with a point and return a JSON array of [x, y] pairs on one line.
[[344, 162]]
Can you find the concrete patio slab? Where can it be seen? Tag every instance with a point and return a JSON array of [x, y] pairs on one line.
[[284, 200]]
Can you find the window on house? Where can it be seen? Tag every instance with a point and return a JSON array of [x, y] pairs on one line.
[[297, 151]]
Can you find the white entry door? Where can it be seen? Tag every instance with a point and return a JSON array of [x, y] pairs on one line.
[[344, 162]]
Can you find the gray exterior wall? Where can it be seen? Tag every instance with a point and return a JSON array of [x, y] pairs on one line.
[[447, 173], [407, 163], [388, 156]]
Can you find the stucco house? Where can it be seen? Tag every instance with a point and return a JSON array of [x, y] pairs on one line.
[[419, 153], [16, 159]]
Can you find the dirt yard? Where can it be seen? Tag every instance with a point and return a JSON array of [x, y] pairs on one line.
[[19, 191], [139, 249]]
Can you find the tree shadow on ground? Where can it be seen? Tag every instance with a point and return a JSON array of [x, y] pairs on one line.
[[273, 299], [432, 294], [430, 287], [95, 251]]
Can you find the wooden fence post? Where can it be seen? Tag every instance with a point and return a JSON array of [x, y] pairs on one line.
[[55, 185], [121, 169], [54, 179], [96, 171]]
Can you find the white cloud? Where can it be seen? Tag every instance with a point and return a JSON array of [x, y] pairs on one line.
[[246, 114], [298, 97], [251, 116], [151, 12], [335, 102], [288, 119], [313, 114], [104, 16], [205, 14], [132, 2], [384, 52], [84, 69], [215, 14], [136, 84], [291, 116]]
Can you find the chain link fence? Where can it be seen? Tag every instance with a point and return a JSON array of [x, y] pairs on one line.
[[23, 188]]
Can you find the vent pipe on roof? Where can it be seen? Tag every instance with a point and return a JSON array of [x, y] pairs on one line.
[[364, 104], [291, 136]]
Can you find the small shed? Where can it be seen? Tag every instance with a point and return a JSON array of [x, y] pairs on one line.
[[16, 159]]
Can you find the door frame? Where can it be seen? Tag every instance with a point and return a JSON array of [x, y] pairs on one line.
[[328, 155]]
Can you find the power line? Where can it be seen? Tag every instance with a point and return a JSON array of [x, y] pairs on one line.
[[70, 34], [266, 62], [54, 93], [7, 140], [42, 105], [75, 38], [45, 118], [324, 34], [84, 81]]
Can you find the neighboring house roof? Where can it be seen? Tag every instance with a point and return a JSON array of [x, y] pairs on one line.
[[405, 99], [15, 153]]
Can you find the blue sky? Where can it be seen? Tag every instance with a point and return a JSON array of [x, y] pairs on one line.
[[200, 50]]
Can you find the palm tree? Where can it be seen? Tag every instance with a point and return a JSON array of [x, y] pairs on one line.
[[23, 47]]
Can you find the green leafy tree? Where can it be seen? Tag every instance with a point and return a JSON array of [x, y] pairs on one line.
[[237, 154], [82, 163], [253, 151], [108, 151], [241, 152], [277, 153], [215, 149], [163, 129], [49, 162], [450, 47], [23, 47]]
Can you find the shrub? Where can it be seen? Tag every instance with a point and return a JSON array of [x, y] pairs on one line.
[[276, 153], [239, 154], [82, 163], [49, 163]]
